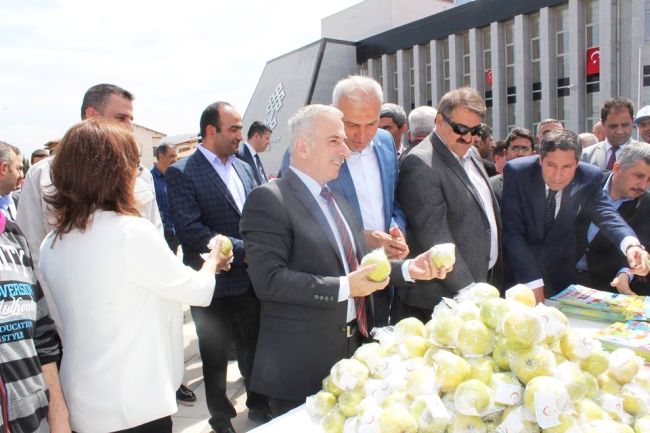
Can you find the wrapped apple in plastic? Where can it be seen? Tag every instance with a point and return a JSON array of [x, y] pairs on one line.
[[589, 410], [537, 361], [521, 293], [478, 293], [493, 311], [413, 346], [502, 353], [636, 400], [554, 322], [443, 255], [609, 426], [514, 419], [573, 378], [319, 404], [430, 414], [482, 368], [377, 257], [348, 374], [466, 424], [624, 365], [467, 311], [642, 424], [329, 386], [475, 339], [422, 381], [546, 398], [597, 363], [333, 421], [451, 370], [349, 402], [522, 328], [443, 327], [506, 388], [472, 397], [396, 419], [577, 347], [409, 326]]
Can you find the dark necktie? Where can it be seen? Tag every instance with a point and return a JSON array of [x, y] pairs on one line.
[[350, 257], [549, 211], [260, 169], [612, 158]]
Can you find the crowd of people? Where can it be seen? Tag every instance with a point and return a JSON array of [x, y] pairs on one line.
[[92, 284]]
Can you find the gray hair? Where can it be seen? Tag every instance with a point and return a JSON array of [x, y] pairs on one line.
[[422, 120], [358, 89], [560, 139], [5, 151], [395, 112], [544, 123], [466, 97], [301, 124], [586, 139], [633, 153]]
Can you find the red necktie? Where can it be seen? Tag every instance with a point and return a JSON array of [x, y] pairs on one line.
[[350, 257], [612, 158]]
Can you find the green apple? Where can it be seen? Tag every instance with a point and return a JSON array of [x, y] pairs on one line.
[[472, 397], [642, 424], [606, 425], [443, 255], [502, 353], [482, 368], [377, 257], [635, 400], [577, 347], [349, 402], [481, 292], [518, 418], [348, 374], [568, 424], [467, 311], [397, 398], [333, 421], [443, 328], [451, 370], [225, 245], [573, 378], [430, 414], [396, 419], [319, 404], [413, 346], [607, 384], [493, 311], [597, 363], [554, 322], [624, 364], [409, 326], [467, 424], [538, 361], [592, 385], [506, 388], [522, 328], [329, 386], [421, 381], [523, 294], [475, 339], [547, 386], [371, 355], [589, 410]]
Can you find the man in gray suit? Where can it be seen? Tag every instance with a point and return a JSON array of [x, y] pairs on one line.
[[616, 114], [446, 197]]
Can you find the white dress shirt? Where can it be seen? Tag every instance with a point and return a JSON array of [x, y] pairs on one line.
[[364, 169], [228, 175]]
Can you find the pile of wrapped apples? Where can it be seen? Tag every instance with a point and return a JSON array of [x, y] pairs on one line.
[[485, 364]]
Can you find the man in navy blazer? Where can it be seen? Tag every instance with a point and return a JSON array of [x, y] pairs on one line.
[[207, 192], [257, 141], [542, 196]]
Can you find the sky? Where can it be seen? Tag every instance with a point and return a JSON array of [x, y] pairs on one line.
[[176, 57]]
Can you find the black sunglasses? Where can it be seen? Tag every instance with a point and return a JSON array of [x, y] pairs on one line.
[[461, 129]]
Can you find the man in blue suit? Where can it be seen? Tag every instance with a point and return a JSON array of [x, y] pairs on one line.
[[368, 178], [257, 141], [206, 193], [542, 196]]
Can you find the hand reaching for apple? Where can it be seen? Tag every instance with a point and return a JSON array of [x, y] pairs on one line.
[[361, 284], [423, 268]]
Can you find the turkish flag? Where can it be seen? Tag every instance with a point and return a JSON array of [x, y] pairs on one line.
[[488, 77], [593, 61]]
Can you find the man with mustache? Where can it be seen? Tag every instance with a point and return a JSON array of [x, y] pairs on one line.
[[600, 265], [446, 197]]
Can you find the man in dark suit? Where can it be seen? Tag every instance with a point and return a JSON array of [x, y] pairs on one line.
[[207, 192], [599, 263], [519, 142], [444, 192], [258, 137], [303, 245], [541, 199]]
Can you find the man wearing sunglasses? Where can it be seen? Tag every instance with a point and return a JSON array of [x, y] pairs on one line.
[[444, 192]]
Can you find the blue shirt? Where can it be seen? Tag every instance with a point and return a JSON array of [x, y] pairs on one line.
[[160, 184]]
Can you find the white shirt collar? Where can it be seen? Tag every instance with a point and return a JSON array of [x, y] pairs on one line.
[[250, 148]]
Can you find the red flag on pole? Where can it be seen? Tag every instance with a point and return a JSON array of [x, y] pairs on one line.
[[593, 61], [488, 77]]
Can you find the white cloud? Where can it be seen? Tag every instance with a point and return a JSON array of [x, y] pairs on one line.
[[175, 56]]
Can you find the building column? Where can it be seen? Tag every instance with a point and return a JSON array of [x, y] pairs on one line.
[[577, 72], [388, 78], [523, 72], [403, 84], [548, 104], [374, 68], [437, 72], [455, 61], [476, 66], [419, 75], [499, 103], [608, 54]]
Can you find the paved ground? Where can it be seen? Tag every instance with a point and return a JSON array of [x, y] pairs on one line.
[[194, 419]]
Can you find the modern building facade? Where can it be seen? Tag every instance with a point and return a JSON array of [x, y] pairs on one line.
[[530, 59]]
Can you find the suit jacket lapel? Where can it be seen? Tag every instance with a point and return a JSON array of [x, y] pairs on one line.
[[209, 171], [244, 176], [345, 185], [308, 200], [251, 162]]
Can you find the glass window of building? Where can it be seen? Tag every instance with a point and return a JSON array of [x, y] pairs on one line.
[[466, 69], [487, 73], [427, 73], [511, 89], [445, 65], [536, 68], [563, 61], [592, 102]]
